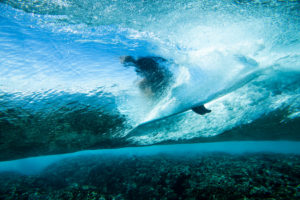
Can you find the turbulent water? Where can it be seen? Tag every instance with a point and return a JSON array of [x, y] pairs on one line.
[[63, 87]]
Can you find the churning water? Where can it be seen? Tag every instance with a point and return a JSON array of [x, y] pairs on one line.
[[65, 88]]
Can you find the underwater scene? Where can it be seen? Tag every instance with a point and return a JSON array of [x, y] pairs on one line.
[[149, 99]]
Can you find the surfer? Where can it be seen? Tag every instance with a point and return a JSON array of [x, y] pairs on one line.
[[155, 76]]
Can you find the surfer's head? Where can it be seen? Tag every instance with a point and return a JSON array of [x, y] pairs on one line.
[[144, 66]]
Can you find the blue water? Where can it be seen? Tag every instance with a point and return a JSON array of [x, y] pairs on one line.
[[63, 87], [97, 99], [31, 166]]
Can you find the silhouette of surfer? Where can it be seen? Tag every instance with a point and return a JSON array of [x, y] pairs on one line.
[[156, 77]]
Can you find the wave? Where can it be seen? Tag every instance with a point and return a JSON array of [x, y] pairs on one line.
[[62, 78]]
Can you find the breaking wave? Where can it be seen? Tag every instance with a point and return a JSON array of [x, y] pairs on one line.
[[64, 89]]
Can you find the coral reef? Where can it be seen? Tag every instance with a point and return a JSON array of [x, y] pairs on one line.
[[162, 176]]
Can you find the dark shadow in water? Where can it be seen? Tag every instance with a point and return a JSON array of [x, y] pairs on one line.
[[58, 124]]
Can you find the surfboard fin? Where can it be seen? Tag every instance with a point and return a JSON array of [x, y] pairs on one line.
[[201, 110]]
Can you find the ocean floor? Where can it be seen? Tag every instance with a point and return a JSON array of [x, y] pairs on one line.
[[209, 175]]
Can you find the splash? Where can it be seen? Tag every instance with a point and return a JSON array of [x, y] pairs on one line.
[[60, 64]]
